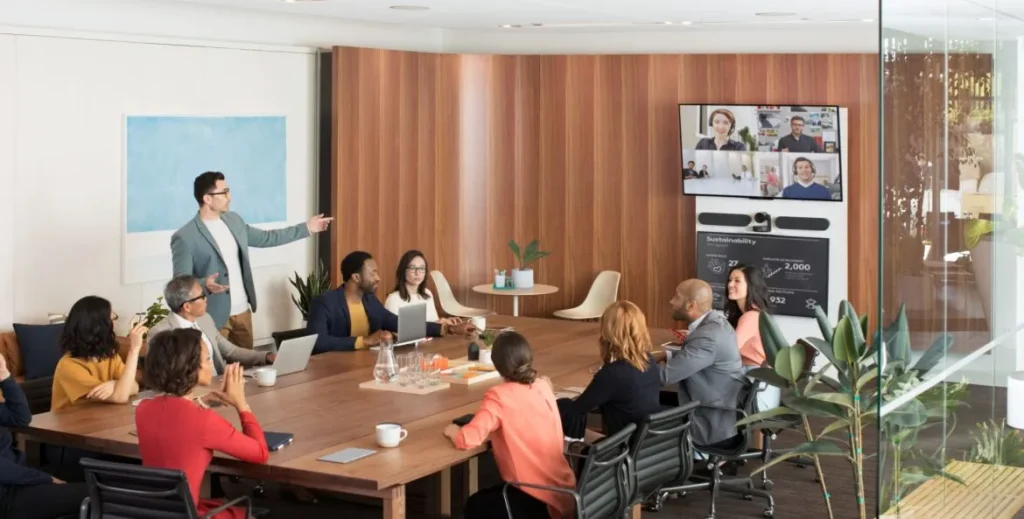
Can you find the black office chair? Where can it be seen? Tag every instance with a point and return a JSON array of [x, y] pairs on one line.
[[661, 455], [602, 489], [770, 429], [733, 449], [39, 392], [119, 491]]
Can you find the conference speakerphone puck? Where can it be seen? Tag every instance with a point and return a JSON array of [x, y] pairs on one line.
[[798, 223], [724, 219]]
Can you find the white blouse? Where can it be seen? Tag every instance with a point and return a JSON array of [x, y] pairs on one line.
[[395, 301]]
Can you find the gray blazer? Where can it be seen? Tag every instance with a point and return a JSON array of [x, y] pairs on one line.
[[194, 251], [223, 351], [708, 369]]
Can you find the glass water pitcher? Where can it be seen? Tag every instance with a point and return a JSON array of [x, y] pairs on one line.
[[386, 369]]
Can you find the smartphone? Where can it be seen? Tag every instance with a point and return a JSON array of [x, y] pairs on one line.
[[463, 420]]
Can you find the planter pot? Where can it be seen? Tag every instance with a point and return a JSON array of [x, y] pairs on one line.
[[522, 278]]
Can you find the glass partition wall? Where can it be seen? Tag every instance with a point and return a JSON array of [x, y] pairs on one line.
[[951, 288]]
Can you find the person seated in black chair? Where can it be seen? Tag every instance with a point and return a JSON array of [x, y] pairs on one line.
[[626, 389], [351, 317], [26, 492]]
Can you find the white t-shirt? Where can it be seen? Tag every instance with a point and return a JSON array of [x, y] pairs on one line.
[[229, 251], [185, 323], [394, 302]]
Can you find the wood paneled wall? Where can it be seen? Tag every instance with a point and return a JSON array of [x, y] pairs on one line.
[[456, 154]]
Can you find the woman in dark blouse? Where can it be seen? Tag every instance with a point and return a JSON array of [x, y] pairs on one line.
[[723, 124], [626, 388]]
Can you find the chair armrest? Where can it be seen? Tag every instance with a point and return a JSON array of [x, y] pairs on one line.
[[570, 491], [234, 502], [725, 408], [83, 511]]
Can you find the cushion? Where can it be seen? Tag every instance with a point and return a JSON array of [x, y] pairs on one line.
[[40, 348]]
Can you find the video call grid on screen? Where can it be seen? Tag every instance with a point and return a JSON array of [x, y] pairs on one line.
[[796, 157]]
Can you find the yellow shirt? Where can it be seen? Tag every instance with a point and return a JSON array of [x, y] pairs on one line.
[[74, 378], [359, 324]]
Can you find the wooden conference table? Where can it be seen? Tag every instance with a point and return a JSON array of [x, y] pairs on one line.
[[326, 411]]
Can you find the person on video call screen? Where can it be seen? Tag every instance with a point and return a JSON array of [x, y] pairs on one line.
[[804, 187], [723, 125], [796, 141]]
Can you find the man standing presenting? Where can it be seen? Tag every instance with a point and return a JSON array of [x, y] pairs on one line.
[[214, 247], [708, 366]]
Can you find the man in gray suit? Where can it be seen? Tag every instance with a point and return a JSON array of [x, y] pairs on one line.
[[708, 367], [187, 301], [214, 247]]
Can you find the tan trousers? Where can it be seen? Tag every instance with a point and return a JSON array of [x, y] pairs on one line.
[[238, 330]]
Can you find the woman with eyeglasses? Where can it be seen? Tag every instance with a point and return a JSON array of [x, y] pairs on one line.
[[91, 369], [411, 287]]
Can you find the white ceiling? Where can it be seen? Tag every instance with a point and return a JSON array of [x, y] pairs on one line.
[[570, 14], [970, 19]]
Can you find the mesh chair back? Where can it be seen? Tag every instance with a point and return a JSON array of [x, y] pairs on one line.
[[120, 491], [603, 482], [661, 450]]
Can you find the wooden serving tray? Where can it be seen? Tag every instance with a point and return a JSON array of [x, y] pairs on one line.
[[465, 373]]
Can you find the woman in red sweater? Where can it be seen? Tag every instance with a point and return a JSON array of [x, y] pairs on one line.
[[521, 418], [176, 431]]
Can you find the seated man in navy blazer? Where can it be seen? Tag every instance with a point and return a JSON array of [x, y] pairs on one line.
[[351, 317]]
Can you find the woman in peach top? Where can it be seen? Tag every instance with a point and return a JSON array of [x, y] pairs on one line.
[[746, 298], [521, 418]]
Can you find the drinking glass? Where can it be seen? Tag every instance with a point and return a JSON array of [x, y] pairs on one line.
[[432, 370]]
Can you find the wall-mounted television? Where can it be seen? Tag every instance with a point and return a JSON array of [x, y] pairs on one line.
[[789, 152]]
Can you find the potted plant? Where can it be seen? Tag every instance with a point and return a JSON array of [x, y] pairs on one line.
[[317, 282], [847, 391], [522, 277]]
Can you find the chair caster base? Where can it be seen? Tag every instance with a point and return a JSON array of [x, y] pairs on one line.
[[769, 512], [748, 497], [767, 484]]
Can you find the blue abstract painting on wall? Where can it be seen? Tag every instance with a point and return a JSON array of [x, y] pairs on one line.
[[166, 153]]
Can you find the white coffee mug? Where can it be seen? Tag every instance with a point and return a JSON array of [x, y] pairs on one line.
[[485, 357], [479, 323], [265, 377], [390, 434]]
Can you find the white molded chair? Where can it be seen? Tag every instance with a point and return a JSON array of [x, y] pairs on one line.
[[603, 292], [446, 297]]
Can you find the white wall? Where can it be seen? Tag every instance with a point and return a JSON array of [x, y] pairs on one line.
[[62, 107]]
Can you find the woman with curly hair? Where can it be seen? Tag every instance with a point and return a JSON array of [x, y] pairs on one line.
[[91, 369], [176, 431], [627, 387], [521, 418]]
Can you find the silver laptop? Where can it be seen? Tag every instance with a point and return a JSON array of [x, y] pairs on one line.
[[292, 355], [412, 324]]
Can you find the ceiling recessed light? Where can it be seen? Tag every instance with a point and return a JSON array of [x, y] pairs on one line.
[[986, 19], [868, 20], [687, 22], [509, 26], [409, 7], [774, 14]]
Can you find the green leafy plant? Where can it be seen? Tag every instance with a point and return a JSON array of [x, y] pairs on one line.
[[531, 254], [748, 138], [996, 445], [316, 282], [847, 391], [155, 313]]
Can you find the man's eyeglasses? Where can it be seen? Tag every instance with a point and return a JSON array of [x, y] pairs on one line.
[[193, 300], [215, 193]]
